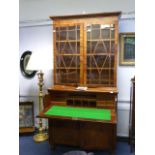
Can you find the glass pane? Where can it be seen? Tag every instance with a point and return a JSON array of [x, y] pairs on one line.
[[112, 33], [57, 36], [95, 77], [67, 33], [71, 35], [112, 61], [105, 75], [68, 61], [99, 47], [92, 74], [107, 46], [68, 76], [89, 61], [112, 46], [71, 61], [74, 35], [78, 35], [63, 35], [98, 61], [112, 77], [95, 34], [57, 47], [68, 55], [89, 47], [100, 58], [105, 33], [88, 35], [68, 47]]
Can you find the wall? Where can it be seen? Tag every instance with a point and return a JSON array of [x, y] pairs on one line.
[[124, 75], [36, 32], [34, 38], [42, 9]]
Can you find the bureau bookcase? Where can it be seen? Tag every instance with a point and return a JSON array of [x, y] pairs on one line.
[[85, 55]]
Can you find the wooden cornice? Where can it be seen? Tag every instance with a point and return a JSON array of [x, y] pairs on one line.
[[86, 15]]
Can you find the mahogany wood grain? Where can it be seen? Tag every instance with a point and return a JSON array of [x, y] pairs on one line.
[[101, 80]]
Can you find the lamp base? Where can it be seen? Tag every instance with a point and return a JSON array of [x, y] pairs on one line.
[[40, 137]]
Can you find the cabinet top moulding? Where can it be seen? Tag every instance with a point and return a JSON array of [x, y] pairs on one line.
[[86, 15]]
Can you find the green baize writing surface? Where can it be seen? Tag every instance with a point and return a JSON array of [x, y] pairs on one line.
[[76, 112]]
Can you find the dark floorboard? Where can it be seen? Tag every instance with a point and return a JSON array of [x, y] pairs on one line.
[[28, 147]]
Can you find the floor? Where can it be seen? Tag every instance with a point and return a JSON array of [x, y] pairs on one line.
[[28, 147]]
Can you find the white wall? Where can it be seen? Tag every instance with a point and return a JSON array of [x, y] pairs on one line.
[[35, 33], [42, 9], [124, 75], [33, 39]]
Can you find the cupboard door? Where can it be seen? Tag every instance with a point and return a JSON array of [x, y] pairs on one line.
[[67, 54], [97, 136], [64, 132], [100, 53]]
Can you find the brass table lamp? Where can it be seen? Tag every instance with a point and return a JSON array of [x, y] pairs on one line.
[[40, 61]]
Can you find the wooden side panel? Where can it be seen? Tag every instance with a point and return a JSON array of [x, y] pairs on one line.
[[47, 101], [106, 101]]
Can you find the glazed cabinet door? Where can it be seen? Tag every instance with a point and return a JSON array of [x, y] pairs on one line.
[[100, 54], [67, 54], [85, 54]]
